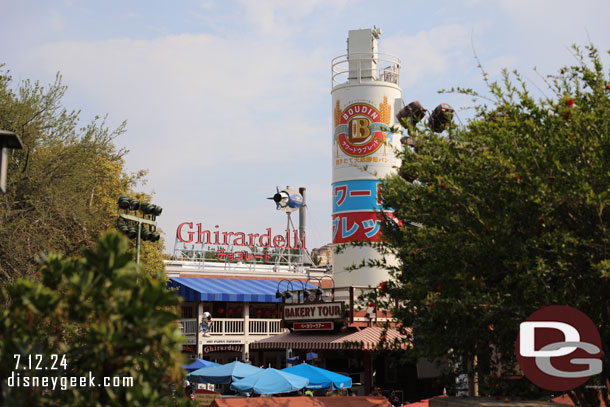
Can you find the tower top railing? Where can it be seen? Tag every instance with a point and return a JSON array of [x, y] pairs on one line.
[[365, 67]]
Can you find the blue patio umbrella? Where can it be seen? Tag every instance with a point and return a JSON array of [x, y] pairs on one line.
[[222, 374], [320, 378], [270, 381], [199, 364]]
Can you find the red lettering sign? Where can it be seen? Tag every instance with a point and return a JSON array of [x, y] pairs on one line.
[[313, 326], [179, 231], [185, 234], [246, 256]]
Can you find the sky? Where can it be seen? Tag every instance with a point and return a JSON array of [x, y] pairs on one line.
[[225, 100]]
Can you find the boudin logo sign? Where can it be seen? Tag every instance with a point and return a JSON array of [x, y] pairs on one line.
[[361, 129], [310, 312]]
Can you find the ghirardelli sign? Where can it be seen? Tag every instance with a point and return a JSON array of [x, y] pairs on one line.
[[187, 233], [222, 348]]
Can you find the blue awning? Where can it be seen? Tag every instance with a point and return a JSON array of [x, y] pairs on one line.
[[231, 289]]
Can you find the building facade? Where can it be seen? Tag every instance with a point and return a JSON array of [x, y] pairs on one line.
[[241, 299], [271, 310]]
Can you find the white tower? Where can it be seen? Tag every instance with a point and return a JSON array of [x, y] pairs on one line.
[[366, 96]]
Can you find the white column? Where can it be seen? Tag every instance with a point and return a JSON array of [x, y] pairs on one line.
[[3, 168], [198, 337], [289, 355], [246, 352]]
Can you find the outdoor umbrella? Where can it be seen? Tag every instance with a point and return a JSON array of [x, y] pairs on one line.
[[320, 378], [199, 364], [270, 381], [222, 374]]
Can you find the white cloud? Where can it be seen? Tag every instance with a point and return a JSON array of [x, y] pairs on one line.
[[285, 18], [207, 115], [496, 65], [56, 21], [227, 97], [545, 29], [207, 5], [430, 53]]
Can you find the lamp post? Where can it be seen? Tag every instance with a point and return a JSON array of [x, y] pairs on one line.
[[8, 140], [286, 294], [319, 291], [133, 227]]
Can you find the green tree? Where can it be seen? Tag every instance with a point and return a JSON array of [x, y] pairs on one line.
[[315, 258], [63, 185], [502, 216], [108, 318]]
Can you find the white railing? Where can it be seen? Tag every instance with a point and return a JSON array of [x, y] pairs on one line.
[[189, 326], [228, 326], [365, 66], [207, 258], [235, 326], [265, 326]]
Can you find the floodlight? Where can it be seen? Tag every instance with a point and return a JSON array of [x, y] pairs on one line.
[[156, 211], [134, 205], [441, 117], [132, 232], [123, 202], [411, 113]]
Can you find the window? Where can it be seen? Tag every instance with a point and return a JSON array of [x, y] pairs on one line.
[[187, 312]]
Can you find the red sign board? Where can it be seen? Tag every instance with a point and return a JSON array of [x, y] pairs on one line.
[[205, 397], [313, 326], [311, 312], [188, 348]]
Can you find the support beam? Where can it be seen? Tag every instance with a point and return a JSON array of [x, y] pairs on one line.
[[368, 377]]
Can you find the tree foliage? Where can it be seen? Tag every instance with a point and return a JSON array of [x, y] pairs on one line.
[[502, 216], [63, 186], [108, 319]]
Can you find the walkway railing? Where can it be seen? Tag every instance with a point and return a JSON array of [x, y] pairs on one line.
[[265, 326], [189, 326], [365, 67], [235, 326]]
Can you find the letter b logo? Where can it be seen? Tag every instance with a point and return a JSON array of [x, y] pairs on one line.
[[559, 348], [359, 130]]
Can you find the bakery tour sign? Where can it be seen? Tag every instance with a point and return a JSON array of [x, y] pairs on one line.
[[313, 312], [195, 233]]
